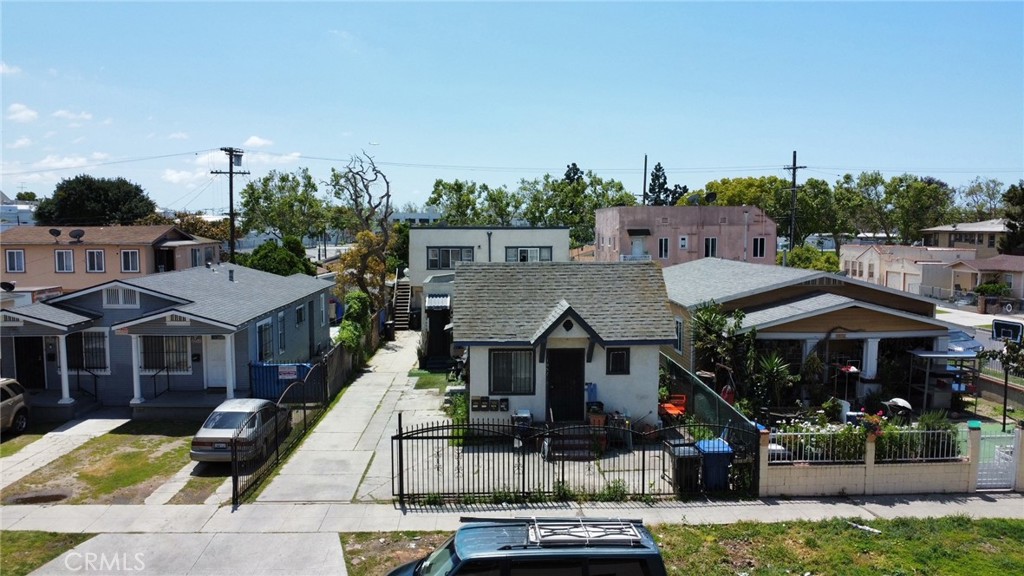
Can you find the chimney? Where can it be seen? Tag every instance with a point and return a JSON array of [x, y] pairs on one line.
[[231, 275]]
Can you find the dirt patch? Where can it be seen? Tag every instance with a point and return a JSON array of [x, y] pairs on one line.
[[373, 554], [740, 554]]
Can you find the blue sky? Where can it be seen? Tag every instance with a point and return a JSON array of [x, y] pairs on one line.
[[497, 92]]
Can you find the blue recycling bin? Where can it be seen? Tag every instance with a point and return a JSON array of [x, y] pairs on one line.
[[716, 457]]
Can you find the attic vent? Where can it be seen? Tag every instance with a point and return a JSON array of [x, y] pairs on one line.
[[664, 220], [8, 320], [177, 319], [120, 298], [723, 220]]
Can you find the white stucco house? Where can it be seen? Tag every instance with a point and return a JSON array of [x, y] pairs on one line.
[[539, 336]]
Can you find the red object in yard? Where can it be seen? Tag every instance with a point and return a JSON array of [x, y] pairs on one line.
[[728, 394]]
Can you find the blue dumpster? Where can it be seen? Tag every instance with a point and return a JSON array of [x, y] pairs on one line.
[[716, 456]]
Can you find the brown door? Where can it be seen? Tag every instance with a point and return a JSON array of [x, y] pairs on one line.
[[565, 384]]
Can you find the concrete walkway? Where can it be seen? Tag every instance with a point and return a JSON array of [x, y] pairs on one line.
[[59, 442], [335, 482]]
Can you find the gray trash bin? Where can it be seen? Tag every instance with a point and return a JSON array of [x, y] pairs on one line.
[[685, 469]]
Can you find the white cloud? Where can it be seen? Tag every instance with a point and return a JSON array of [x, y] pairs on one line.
[[178, 136], [184, 177], [22, 142], [58, 162], [274, 159], [257, 142], [78, 140], [69, 115], [211, 158], [99, 156], [21, 113], [8, 69]]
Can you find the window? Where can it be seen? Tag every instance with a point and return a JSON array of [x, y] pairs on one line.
[[617, 361], [445, 258], [323, 309], [120, 298], [663, 248], [15, 260], [280, 331], [64, 261], [711, 247], [208, 254], [1008, 280], [265, 340], [519, 254], [88, 351], [95, 261], [197, 257], [166, 354], [129, 260], [991, 240], [684, 242], [678, 345], [758, 248], [871, 270], [846, 267], [860, 269], [512, 372], [300, 315]]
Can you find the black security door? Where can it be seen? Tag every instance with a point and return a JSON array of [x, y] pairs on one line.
[[28, 356], [565, 384]]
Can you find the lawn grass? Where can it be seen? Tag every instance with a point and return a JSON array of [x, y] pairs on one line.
[[121, 467], [426, 380], [23, 552], [199, 488], [949, 545], [36, 430]]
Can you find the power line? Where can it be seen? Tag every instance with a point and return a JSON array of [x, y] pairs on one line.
[[108, 163]]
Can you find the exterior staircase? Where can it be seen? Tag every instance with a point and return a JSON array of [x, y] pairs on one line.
[[403, 298]]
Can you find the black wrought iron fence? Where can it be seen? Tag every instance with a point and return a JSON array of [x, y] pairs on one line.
[[497, 461], [262, 441]]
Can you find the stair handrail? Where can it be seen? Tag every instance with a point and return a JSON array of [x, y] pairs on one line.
[[394, 293]]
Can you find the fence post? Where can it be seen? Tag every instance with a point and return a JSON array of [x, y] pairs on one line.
[[869, 464], [401, 465], [234, 473], [1018, 457], [973, 453], [763, 452]]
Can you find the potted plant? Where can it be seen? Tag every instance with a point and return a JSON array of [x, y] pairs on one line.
[[596, 416]]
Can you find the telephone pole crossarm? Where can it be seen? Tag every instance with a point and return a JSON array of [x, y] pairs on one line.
[[792, 209], [234, 159]]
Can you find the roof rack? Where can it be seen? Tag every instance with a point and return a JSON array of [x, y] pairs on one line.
[[553, 532]]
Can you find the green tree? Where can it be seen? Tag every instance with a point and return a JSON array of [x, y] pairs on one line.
[[573, 174], [917, 203], [191, 223], [980, 200], [810, 258], [285, 204], [498, 206], [721, 346], [88, 201], [365, 192], [457, 201], [1013, 201], [771, 194], [277, 259], [571, 201], [772, 380], [876, 215], [398, 250], [25, 196], [657, 189]]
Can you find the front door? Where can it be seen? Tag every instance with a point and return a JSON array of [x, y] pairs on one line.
[[215, 365], [565, 384], [29, 365], [637, 246]]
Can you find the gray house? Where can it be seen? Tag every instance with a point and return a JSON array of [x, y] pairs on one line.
[[193, 331]]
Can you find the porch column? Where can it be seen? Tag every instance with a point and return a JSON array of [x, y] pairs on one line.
[[65, 386], [809, 345], [230, 359], [869, 359], [136, 373]]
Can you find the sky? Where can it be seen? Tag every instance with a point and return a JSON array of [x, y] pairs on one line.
[[499, 92]]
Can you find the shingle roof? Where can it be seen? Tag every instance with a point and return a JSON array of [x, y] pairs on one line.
[[47, 314], [693, 283], [212, 296], [797, 308], [1001, 263], [118, 235], [511, 302], [997, 225]]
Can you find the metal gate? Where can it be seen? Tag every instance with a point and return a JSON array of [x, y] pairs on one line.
[[997, 463]]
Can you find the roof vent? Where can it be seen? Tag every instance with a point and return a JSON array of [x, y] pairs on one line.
[[231, 275]]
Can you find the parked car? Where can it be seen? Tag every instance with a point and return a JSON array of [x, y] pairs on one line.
[[549, 546], [960, 341], [258, 424], [13, 407]]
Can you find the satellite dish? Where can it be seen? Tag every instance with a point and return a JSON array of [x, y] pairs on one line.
[[6, 286], [693, 199], [77, 234], [54, 232], [711, 197]]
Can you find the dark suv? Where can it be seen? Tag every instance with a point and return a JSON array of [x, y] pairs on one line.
[[543, 546]]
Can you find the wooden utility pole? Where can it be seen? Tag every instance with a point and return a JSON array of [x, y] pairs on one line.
[[235, 159], [792, 207], [645, 179]]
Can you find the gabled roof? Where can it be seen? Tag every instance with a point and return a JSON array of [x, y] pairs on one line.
[[996, 225], [513, 303], [51, 316], [817, 304], [208, 294], [96, 235], [1001, 263], [693, 283]]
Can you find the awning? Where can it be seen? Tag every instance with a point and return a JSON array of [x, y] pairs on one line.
[[439, 302], [638, 231]]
